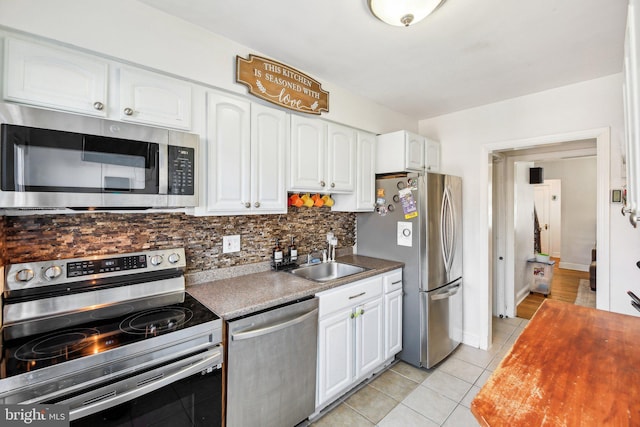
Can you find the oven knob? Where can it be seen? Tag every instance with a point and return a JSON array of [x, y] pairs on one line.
[[173, 258], [156, 260], [52, 272], [24, 275]]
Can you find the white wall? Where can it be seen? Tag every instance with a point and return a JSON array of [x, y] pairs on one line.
[[466, 134], [578, 208], [134, 32]]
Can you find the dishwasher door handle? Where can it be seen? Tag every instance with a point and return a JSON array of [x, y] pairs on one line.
[[252, 333]]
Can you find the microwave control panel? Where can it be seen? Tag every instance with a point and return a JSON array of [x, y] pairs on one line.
[[181, 170]]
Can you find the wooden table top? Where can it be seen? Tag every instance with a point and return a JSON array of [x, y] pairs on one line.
[[571, 366]]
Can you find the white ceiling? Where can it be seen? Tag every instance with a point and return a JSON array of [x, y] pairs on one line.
[[468, 53]]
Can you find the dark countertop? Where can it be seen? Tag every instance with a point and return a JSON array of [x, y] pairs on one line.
[[238, 296]]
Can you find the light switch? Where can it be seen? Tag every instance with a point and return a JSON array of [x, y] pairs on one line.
[[405, 233], [231, 244]]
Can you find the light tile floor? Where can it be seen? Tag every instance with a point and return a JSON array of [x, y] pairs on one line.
[[407, 396]]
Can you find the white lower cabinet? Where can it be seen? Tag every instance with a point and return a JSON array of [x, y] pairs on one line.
[[393, 313], [352, 334]]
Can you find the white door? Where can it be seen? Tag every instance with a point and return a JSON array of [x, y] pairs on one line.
[[542, 194], [369, 337], [393, 323], [154, 99], [55, 78], [414, 152], [269, 134], [228, 154], [341, 158], [308, 154], [523, 231], [335, 355]]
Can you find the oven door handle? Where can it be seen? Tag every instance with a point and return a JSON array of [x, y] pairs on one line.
[[109, 396]]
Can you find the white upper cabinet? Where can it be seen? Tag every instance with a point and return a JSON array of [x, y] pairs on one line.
[[154, 99], [341, 158], [54, 78], [363, 199], [322, 156], [269, 138], [400, 151], [61, 79], [245, 157], [308, 154], [432, 160]]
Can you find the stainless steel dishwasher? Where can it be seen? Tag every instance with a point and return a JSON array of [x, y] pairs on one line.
[[271, 368]]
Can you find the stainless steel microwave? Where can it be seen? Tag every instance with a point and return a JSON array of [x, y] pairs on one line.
[[50, 159]]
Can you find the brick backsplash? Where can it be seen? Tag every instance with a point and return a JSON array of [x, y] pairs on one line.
[[46, 237]]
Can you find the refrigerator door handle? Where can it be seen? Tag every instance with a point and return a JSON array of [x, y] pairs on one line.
[[444, 295], [447, 230]]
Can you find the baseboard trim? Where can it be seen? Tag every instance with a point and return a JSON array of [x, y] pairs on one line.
[[572, 266]]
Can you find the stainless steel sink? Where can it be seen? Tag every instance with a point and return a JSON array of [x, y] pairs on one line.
[[327, 271]]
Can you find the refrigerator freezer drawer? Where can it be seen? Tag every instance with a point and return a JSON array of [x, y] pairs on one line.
[[443, 310]]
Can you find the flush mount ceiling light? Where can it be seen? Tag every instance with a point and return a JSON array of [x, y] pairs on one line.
[[402, 12]]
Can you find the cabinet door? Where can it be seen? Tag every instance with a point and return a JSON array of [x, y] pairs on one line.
[[228, 154], [369, 335], [269, 137], [154, 99], [393, 323], [54, 78], [414, 151], [308, 154], [432, 161], [341, 158], [335, 355]]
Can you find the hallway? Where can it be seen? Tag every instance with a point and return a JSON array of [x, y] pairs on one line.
[[564, 287]]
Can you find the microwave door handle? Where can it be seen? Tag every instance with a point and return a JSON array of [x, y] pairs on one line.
[[163, 167]]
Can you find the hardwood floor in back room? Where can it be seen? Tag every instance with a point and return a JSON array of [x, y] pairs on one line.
[[564, 287]]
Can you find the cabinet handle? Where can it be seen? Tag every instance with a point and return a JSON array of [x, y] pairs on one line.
[[98, 105], [356, 296], [322, 184], [256, 204], [353, 315], [247, 205], [333, 184], [361, 312], [395, 283], [128, 111]]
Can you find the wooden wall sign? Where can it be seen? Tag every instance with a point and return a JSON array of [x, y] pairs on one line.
[[282, 85]]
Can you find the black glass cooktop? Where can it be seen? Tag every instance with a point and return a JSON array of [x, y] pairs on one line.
[[40, 351]]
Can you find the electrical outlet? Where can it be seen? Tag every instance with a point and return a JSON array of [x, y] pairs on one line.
[[231, 244]]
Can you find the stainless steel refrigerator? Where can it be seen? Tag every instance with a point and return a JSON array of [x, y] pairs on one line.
[[417, 220]]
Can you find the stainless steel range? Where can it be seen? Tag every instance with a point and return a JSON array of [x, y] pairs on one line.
[[116, 338]]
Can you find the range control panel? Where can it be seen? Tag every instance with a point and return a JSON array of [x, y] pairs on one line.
[[44, 273], [83, 268]]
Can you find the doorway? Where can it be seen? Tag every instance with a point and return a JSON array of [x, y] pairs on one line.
[[505, 270]]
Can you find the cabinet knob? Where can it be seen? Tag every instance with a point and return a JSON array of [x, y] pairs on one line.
[[98, 105], [247, 205], [128, 111], [322, 184], [256, 204], [333, 185]]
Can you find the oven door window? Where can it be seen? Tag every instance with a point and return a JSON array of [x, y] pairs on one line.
[[192, 401], [44, 160]]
